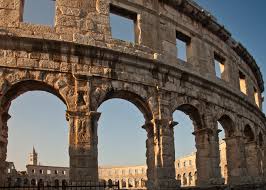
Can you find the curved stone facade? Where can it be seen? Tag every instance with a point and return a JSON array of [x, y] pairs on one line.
[[78, 61]]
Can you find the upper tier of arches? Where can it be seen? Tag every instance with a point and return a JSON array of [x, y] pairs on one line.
[[157, 26]]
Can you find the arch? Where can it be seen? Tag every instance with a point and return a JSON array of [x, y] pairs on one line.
[[24, 86], [56, 183], [26, 181], [178, 177], [195, 176], [123, 183], [193, 114], [130, 182], [33, 182], [190, 179], [137, 183], [110, 182], [185, 179], [227, 124], [132, 97], [40, 182], [143, 182], [64, 182], [248, 133]]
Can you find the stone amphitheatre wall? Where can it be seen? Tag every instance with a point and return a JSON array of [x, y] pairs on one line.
[[78, 61]]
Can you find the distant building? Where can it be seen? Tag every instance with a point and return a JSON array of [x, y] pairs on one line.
[[128, 176], [47, 175]]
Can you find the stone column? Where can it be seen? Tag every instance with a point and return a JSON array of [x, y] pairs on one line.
[[4, 117], [236, 165], [264, 162], [160, 155], [252, 161], [83, 145], [207, 158]]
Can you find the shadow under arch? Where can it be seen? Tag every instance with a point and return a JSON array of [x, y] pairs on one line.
[[194, 115], [248, 133], [132, 97], [24, 86], [226, 147], [227, 124]]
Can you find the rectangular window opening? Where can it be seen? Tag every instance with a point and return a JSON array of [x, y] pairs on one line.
[[39, 12], [182, 43], [48, 172], [219, 66], [242, 82], [256, 97], [123, 24]]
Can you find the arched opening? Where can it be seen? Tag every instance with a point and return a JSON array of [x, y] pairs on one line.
[[143, 182], [33, 182], [56, 183], [251, 152], [130, 183], [32, 115], [122, 141], [248, 134], [124, 183], [195, 176], [40, 183], [190, 179], [184, 180], [137, 184], [189, 121], [26, 182], [225, 129], [110, 182]]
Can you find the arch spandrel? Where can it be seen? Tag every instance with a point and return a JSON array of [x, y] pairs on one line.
[[138, 97], [16, 83]]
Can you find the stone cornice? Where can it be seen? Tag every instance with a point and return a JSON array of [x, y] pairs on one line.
[[196, 12]]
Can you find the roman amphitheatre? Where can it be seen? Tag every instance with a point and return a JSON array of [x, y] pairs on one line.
[[79, 61]]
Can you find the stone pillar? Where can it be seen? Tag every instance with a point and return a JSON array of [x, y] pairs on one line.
[[252, 161], [4, 117], [207, 158], [83, 146], [127, 183], [160, 155], [236, 165], [264, 162]]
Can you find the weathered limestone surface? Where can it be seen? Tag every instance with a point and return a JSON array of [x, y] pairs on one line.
[[78, 61]]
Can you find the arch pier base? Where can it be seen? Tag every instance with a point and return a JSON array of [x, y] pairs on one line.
[[207, 159], [83, 144], [264, 162], [160, 155], [252, 161], [237, 171], [3, 145]]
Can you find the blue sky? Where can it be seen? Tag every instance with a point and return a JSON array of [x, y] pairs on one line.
[[38, 118]]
